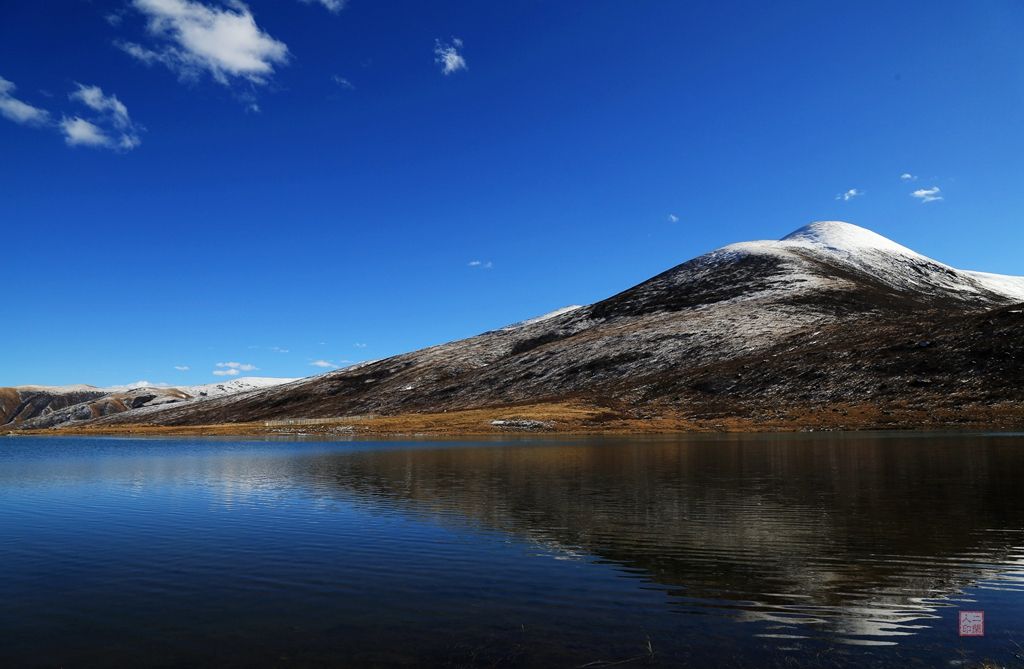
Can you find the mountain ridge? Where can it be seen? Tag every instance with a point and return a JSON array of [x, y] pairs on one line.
[[821, 318], [35, 406]]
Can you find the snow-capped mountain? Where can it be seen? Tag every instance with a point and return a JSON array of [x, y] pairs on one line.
[[802, 323], [861, 250], [832, 315]]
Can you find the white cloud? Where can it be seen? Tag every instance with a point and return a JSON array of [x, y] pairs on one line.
[[108, 124], [236, 366], [448, 57], [110, 112], [278, 349], [481, 264], [907, 176], [93, 97], [672, 218], [360, 344], [225, 372], [79, 132], [143, 384], [927, 194], [343, 82], [194, 38], [331, 5], [182, 368], [18, 111], [325, 364], [141, 53], [849, 195]]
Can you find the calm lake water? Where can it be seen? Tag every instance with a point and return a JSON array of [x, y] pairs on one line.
[[734, 551]]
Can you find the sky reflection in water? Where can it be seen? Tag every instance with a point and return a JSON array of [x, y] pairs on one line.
[[724, 551]]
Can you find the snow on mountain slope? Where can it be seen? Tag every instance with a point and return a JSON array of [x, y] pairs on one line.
[[233, 386], [1012, 286], [539, 319], [844, 246], [845, 237]]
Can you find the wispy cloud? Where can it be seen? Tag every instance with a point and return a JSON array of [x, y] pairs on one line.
[[110, 126], [448, 56], [182, 368], [331, 5], [17, 110], [106, 124], [324, 364], [481, 264], [243, 366], [143, 384], [672, 218], [907, 176], [233, 368], [193, 37], [360, 344], [342, 82], [79, 132], [932, 194], [94, 98], [849, 195]]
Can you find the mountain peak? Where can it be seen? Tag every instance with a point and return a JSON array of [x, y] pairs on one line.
[[842, 236]]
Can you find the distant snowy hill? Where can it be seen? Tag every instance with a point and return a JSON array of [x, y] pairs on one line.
[[47, 406], [233, 386]]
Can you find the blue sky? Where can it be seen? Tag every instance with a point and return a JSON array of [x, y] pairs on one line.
[[282, 182]]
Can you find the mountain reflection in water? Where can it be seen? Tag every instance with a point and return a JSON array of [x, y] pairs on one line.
[[745, 550], [860, 537]]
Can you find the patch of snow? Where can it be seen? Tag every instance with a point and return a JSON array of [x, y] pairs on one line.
[[540, 319], [1012, 286]]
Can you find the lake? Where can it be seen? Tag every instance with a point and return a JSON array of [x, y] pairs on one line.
[[817, 550]]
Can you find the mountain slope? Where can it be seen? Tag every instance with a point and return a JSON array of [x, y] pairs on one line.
[[817, 318], [832, 318], [23, 403], [30, 407]]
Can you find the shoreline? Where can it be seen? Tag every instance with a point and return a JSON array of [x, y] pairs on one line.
[[580, 419]]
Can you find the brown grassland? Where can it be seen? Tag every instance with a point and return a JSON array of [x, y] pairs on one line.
[[584, 418]]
